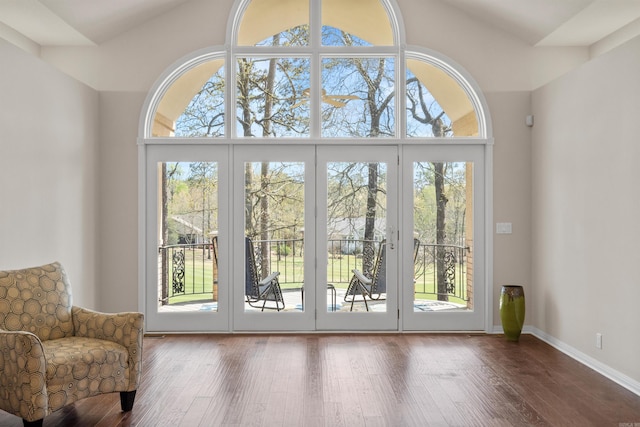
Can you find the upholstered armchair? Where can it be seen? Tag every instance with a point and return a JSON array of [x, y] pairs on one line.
[[53, 353]]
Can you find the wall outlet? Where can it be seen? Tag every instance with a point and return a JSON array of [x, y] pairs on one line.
[[598, 340]]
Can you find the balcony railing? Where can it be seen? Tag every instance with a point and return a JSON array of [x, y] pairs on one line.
[[189, 272], [441, 270]]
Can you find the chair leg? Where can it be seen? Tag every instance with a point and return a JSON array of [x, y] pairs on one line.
[[126, 400], [36, 423], [363, 292]]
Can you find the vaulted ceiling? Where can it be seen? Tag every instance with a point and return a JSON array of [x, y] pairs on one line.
[[536, 22]]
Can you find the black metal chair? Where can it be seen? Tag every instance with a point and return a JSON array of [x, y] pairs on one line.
[[369, 287], [373, 287], [256, 289]]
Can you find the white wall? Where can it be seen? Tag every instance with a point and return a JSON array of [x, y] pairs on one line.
[[118, 204], [133, 61], [585, 151], [48, 163], [512, 196]]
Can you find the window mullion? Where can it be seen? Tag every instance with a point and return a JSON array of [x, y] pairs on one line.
[[315, 21]]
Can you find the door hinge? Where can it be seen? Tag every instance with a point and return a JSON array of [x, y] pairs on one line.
[[398, 314]]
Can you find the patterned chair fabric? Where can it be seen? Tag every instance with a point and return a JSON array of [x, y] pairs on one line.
[[53, 353]]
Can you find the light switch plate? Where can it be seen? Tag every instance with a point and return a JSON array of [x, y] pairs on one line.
[[503, 228]]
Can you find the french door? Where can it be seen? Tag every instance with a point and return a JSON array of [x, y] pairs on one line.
[[274, 208], [187, 240], [444, 214], [312, 216], [357, 230], [377, 238]]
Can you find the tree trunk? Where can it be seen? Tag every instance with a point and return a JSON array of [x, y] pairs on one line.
[[245, 121], [368, 252], [264, 220], [164, 293], [441, 205], [264, 174]]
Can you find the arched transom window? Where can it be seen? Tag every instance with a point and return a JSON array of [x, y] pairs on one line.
[[315, 69]]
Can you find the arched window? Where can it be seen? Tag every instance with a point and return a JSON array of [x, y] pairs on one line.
[[339, 75], [317, 135]]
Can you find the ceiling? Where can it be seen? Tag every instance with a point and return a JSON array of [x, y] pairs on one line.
[[536, 22]]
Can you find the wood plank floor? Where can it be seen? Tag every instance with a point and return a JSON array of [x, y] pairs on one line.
[[357, 380]]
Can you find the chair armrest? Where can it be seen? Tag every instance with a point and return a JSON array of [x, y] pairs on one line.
[[124, 328], [361, 277], [270, 278], [23, 374]]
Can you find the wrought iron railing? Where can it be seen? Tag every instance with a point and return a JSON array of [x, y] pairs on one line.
[[285, 256], [186, 270], [441, 270], [191, 270]]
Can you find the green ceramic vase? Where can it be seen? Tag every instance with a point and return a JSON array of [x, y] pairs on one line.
[[512, 310]]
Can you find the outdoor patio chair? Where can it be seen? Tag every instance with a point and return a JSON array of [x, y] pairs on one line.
[[373, 287], [256, 289], [369, 287], [54, 353]]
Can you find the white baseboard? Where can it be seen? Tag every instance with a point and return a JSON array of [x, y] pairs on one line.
[[605, 370]]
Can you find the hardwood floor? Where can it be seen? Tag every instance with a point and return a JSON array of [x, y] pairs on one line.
[[357, 380]]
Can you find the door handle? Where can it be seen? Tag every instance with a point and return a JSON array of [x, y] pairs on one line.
[[392, 237]]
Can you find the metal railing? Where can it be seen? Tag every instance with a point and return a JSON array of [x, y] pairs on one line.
[[186, 270], [191, 269], [441, 270]]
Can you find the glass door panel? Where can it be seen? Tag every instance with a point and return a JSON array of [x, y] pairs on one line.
[[273, 263], [274, 234], [445, 224], [185, 288], [357, 274]]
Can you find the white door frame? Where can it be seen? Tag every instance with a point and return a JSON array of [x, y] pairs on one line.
[[271, 320], [179, 321], [352, 321], [471, 320]]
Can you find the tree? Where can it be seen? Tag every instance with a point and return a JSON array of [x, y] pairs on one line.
[[420, 111], [371, 82]]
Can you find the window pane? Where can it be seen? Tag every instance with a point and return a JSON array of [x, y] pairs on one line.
[[264, 18], [436, 104], [358, 97], [364, 20], [187, 252], [443, 227], [356, 227], [194, 104], [274, 234], [272, 97], [204, 116]]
